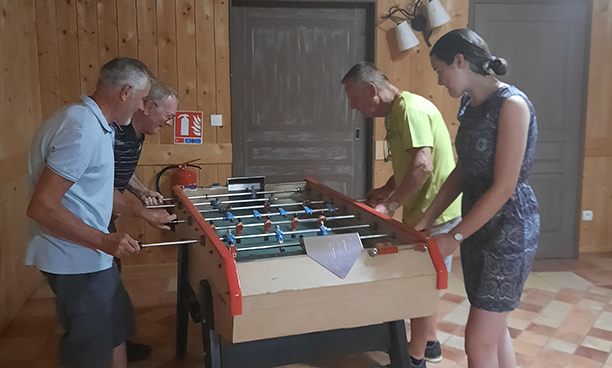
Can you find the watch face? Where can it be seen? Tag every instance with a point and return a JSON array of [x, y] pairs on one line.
[[458, 237]]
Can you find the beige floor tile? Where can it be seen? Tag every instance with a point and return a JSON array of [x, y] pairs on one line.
[[533, 338], [548, 321], [560, 345], [526, 348], [599, 344]]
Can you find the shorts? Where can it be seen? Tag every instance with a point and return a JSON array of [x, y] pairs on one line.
[[96, 313], [444, 228]]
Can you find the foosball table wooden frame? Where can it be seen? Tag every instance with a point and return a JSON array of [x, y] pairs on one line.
[[285, 310]]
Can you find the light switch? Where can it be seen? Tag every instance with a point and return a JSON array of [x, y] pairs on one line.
[[587, 215], [216, 120]]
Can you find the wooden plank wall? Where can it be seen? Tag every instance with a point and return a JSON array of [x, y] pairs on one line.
[[596, 235], [20, 104], [184, 42]]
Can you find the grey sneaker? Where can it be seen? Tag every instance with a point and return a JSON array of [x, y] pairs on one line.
[[433, 353], [422, 365]]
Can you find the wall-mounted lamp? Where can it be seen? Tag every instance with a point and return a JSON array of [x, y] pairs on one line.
[[406, 39]]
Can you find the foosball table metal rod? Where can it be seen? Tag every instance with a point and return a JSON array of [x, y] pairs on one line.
[[240, 237], [209, 196], [269, 214], [331, 218], [263, 206]]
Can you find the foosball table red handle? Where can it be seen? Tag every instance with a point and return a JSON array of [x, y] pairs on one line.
[[387, 250]]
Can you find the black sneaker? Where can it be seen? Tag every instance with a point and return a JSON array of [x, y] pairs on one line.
[[422, 365], [433, 353], [137, 352]]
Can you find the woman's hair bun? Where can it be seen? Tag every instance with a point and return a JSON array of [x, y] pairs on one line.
[[499, 66]]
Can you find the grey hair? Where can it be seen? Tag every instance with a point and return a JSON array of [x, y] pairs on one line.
[[160, 91], [123, 71], [365, 72]]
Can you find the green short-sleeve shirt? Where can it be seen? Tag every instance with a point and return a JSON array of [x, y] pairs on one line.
[[415, 122]]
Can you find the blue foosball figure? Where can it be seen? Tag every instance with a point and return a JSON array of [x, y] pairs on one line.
[[279, 235]]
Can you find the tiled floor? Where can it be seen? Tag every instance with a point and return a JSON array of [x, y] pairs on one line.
[[564, 320]]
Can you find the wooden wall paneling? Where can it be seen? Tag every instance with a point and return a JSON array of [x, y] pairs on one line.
[[208, 175], [107, 30], [68, 51], [147, 34], [224, 171], [20, 114], [46, 31], [166, 48], [89, 60], [595, 235], [222, 67], [206, 72], [186, 47], [127, 32]]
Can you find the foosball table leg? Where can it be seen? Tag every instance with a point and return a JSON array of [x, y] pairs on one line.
[[210, 339], [182, 306], [398, 351]]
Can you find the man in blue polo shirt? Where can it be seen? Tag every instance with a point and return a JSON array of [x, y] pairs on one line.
[[71, 166]]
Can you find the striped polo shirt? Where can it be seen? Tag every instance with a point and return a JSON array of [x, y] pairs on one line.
[[127, 152]]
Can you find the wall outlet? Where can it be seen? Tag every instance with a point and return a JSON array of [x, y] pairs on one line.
[[216, 120], [587, 215]]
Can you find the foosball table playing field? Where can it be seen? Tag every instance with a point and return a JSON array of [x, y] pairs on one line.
[[294, 272]]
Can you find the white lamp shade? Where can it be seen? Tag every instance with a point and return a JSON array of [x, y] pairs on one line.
[[406, 39], [436, 14]]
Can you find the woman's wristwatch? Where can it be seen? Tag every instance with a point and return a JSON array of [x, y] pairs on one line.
[[393, 206], [458, 237]]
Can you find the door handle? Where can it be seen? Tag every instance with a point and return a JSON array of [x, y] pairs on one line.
[[357, 133]]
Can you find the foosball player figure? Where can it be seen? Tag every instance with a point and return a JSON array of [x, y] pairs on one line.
[[279, 235], [239, 227], [283, 212], [230, 238], [267, 227], [322, 218], [294, 224], [229, 215], [212, 224], [307, 209], [322, 230]]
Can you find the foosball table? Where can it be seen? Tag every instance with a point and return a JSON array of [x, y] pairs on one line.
[[287, 273]]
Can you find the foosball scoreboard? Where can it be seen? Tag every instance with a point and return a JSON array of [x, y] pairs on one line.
[[287, 273]]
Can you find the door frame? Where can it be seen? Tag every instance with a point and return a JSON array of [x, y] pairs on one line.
[[370, 48], [584, 94]]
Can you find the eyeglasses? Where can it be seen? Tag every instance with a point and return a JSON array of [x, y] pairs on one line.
[[168, 116]]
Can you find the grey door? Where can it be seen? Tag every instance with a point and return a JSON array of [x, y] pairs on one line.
[[546, 44], [290, 116]]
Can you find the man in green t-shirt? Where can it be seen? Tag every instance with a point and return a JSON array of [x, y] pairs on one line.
[[422, 158]]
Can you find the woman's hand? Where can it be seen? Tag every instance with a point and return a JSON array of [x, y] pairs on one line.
[[446, 243]]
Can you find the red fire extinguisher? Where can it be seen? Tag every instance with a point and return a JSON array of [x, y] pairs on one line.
[[182, 176]]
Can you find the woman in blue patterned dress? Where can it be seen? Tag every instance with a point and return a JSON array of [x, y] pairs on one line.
[[499, 232]]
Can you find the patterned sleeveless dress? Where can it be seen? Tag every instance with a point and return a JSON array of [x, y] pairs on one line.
[[497, 258]]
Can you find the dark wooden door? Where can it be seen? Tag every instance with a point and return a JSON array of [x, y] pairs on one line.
[[290, 116]]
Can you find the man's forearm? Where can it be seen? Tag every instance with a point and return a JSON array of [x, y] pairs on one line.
[[412, 182], [136, 187], [47, 210], [419, 170], [122, 205]]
